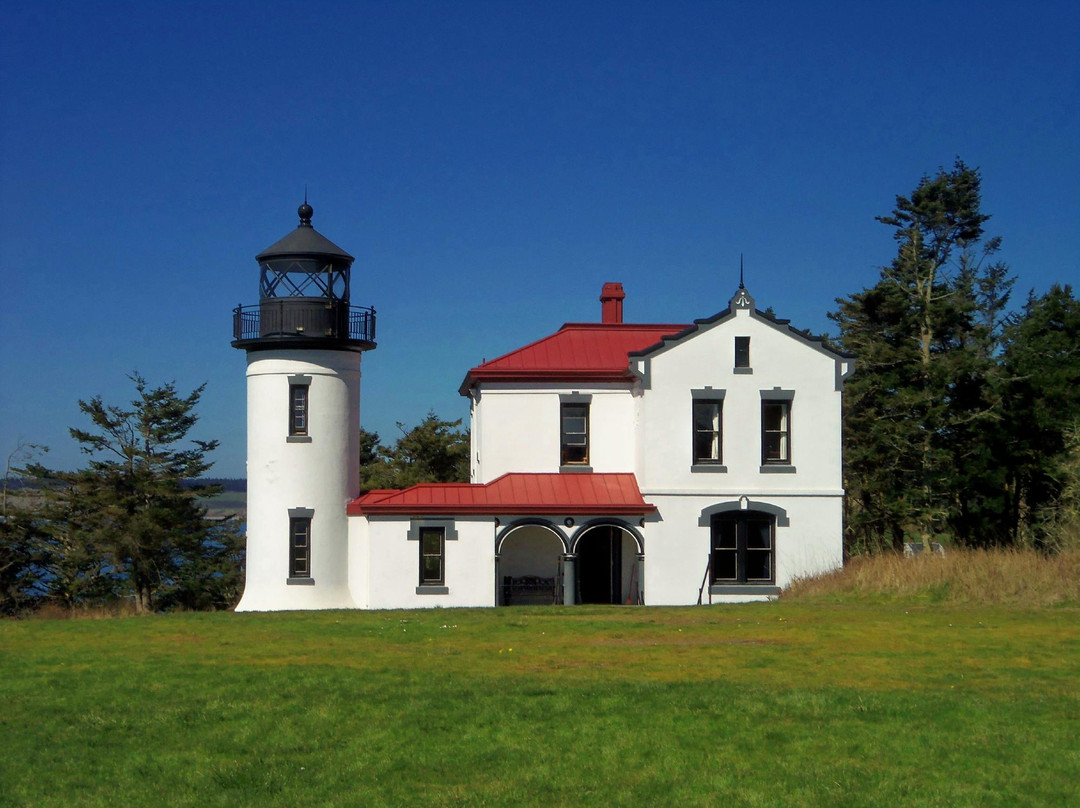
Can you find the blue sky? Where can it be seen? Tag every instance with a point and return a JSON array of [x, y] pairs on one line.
[[490, 165]]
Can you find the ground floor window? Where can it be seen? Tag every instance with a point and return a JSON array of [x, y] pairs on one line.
[[743, 548], [432, 556]]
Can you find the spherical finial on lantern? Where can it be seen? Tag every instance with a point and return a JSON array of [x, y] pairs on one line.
[[305, 212]]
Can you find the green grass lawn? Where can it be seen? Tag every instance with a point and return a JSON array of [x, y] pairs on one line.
[[793, 703]]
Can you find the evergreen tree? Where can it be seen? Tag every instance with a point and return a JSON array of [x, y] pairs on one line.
[[1042, 362], [927, 389], [127, 524], [433, 451]]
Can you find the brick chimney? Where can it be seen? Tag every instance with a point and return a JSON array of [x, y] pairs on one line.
[[611, 298]]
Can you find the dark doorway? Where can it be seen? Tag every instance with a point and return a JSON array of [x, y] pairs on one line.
[[599, 566]]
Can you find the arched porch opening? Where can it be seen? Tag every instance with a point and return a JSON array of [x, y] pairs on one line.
[[609, 564], [529, 564]]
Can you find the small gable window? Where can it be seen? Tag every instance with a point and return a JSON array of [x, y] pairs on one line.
[[742, 353]]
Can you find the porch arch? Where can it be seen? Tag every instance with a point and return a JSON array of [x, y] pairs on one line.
[[530, 555], [609, 562]]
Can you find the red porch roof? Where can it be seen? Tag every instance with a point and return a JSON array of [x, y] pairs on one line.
[[546, 494], [586, 352]]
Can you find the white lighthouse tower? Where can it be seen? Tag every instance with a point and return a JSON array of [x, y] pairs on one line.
[[304, 342]]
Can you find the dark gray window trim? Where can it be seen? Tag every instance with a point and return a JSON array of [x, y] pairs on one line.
[[433, 590], [301, 513], [744, 589], [743, 371], [779, 468], [575, 469], [777, 394], [707, 468], [300, 581], [575, 398], [299, 380], [447, 524], [298, 438], [709, 393]]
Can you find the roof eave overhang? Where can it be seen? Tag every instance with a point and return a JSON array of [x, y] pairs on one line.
[[376, 509], [477, 376]]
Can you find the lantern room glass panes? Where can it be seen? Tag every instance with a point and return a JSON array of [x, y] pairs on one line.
[[294, 277]]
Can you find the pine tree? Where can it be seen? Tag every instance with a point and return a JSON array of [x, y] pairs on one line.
[[925, 337], [130, 523]]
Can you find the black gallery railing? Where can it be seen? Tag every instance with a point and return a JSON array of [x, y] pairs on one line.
[[283, 318]]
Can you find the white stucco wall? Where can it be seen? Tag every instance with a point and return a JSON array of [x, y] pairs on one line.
[[320, 475], [778, 360], [516, 428], [384, 564], [677, 545]]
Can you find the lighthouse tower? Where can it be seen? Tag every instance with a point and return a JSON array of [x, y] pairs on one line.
[[304, 342]]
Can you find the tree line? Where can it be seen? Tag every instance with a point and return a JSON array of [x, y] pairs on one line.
[[961, 425], [961, 421]]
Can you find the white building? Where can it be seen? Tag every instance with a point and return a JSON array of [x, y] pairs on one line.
[[611, 462]]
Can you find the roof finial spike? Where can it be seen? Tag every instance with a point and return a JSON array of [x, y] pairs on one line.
[[741, 286], [305, 211]]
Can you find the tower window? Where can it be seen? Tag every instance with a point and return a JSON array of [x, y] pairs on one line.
[[298, 409], [742, 352], [300, 547]]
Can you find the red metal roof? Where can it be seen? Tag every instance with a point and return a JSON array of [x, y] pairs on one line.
[[576, 352], [587, 494]]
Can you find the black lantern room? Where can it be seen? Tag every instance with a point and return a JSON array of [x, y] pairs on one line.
[[304, 297]]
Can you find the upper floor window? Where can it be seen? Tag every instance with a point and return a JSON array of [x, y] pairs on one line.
[[708, 431], [742, 352], [776, 432], [574, 439]]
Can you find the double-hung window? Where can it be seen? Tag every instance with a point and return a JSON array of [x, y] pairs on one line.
[[574, 434], [776, 429], [432, 556], [708, 431]]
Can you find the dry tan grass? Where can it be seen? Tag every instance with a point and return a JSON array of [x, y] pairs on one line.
[[1003, 576]]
